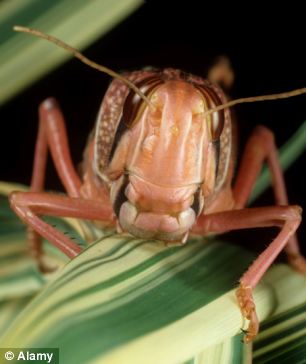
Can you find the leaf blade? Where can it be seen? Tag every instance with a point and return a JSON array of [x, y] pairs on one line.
[[68, 20]]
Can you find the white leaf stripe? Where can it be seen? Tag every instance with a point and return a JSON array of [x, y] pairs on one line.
[[82, 266]]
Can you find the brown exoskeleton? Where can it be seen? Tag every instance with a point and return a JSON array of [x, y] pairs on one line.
[[160, 165]]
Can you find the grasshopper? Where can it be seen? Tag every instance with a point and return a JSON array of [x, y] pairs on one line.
[[160, 164]]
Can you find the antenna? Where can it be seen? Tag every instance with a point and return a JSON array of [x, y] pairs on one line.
[[82, 58], [244, 100]]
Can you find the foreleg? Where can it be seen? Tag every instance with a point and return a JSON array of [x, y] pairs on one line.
[[287, 218], [30, 205]]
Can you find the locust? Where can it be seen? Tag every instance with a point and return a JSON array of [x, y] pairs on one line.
[[160, 164]]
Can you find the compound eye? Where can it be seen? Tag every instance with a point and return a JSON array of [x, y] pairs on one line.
[[216, 119], [216, 125], [133, 102]]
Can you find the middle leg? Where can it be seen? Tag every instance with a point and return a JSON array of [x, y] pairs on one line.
[[51, 135], [259, 148]]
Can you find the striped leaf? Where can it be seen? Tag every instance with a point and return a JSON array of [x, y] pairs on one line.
[[77, 22], [18, 274], [125, 296], [10, 309], [283, 338]]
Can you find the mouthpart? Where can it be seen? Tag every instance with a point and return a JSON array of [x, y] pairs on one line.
[[170, 228]]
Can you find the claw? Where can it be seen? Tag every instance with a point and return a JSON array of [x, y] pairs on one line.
[[248, 310], [245, 332]]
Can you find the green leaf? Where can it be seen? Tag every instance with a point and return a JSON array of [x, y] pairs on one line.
[[10, 309], [126, 295], [25, 58], [283, 338]]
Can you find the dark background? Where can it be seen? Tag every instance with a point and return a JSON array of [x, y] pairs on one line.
[[266, 48]]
